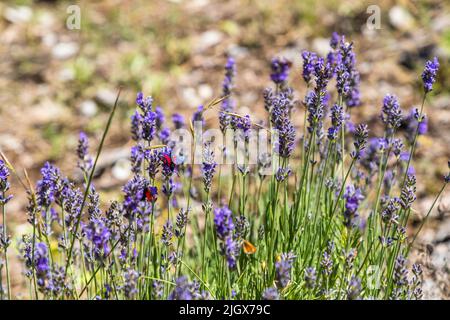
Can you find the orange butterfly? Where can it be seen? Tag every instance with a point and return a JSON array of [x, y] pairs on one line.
[[248, 247]]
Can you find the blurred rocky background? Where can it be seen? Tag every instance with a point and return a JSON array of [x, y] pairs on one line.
[[55, 81]]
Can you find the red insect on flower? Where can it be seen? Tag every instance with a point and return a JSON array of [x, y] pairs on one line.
[[150, 194], [168, 161]]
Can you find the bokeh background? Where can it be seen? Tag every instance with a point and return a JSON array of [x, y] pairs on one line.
[[55, 82]]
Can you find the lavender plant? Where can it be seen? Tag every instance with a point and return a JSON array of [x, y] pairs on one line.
[[309, 219]]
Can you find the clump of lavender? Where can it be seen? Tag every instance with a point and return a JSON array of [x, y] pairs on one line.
[[132, 250]]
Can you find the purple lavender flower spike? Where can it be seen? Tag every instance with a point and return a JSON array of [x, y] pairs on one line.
[[310, 277], [48, 188], [42, 264], [223, 221], [184, 290], [164, 136], [178, 121], [198, 116], [413, 126], [136, 126], [271, 294], [309, 60], [281, 122], [283, 269], [145, 104], [83, 146], [149, 126], [167, 234], [352, 198], [334, 41], [227, 103], [280, 70], [4, 184], [160, 118], [208, 167], [391, 112], [347, 75], [429, 74], [99, 235], [447, 176]]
